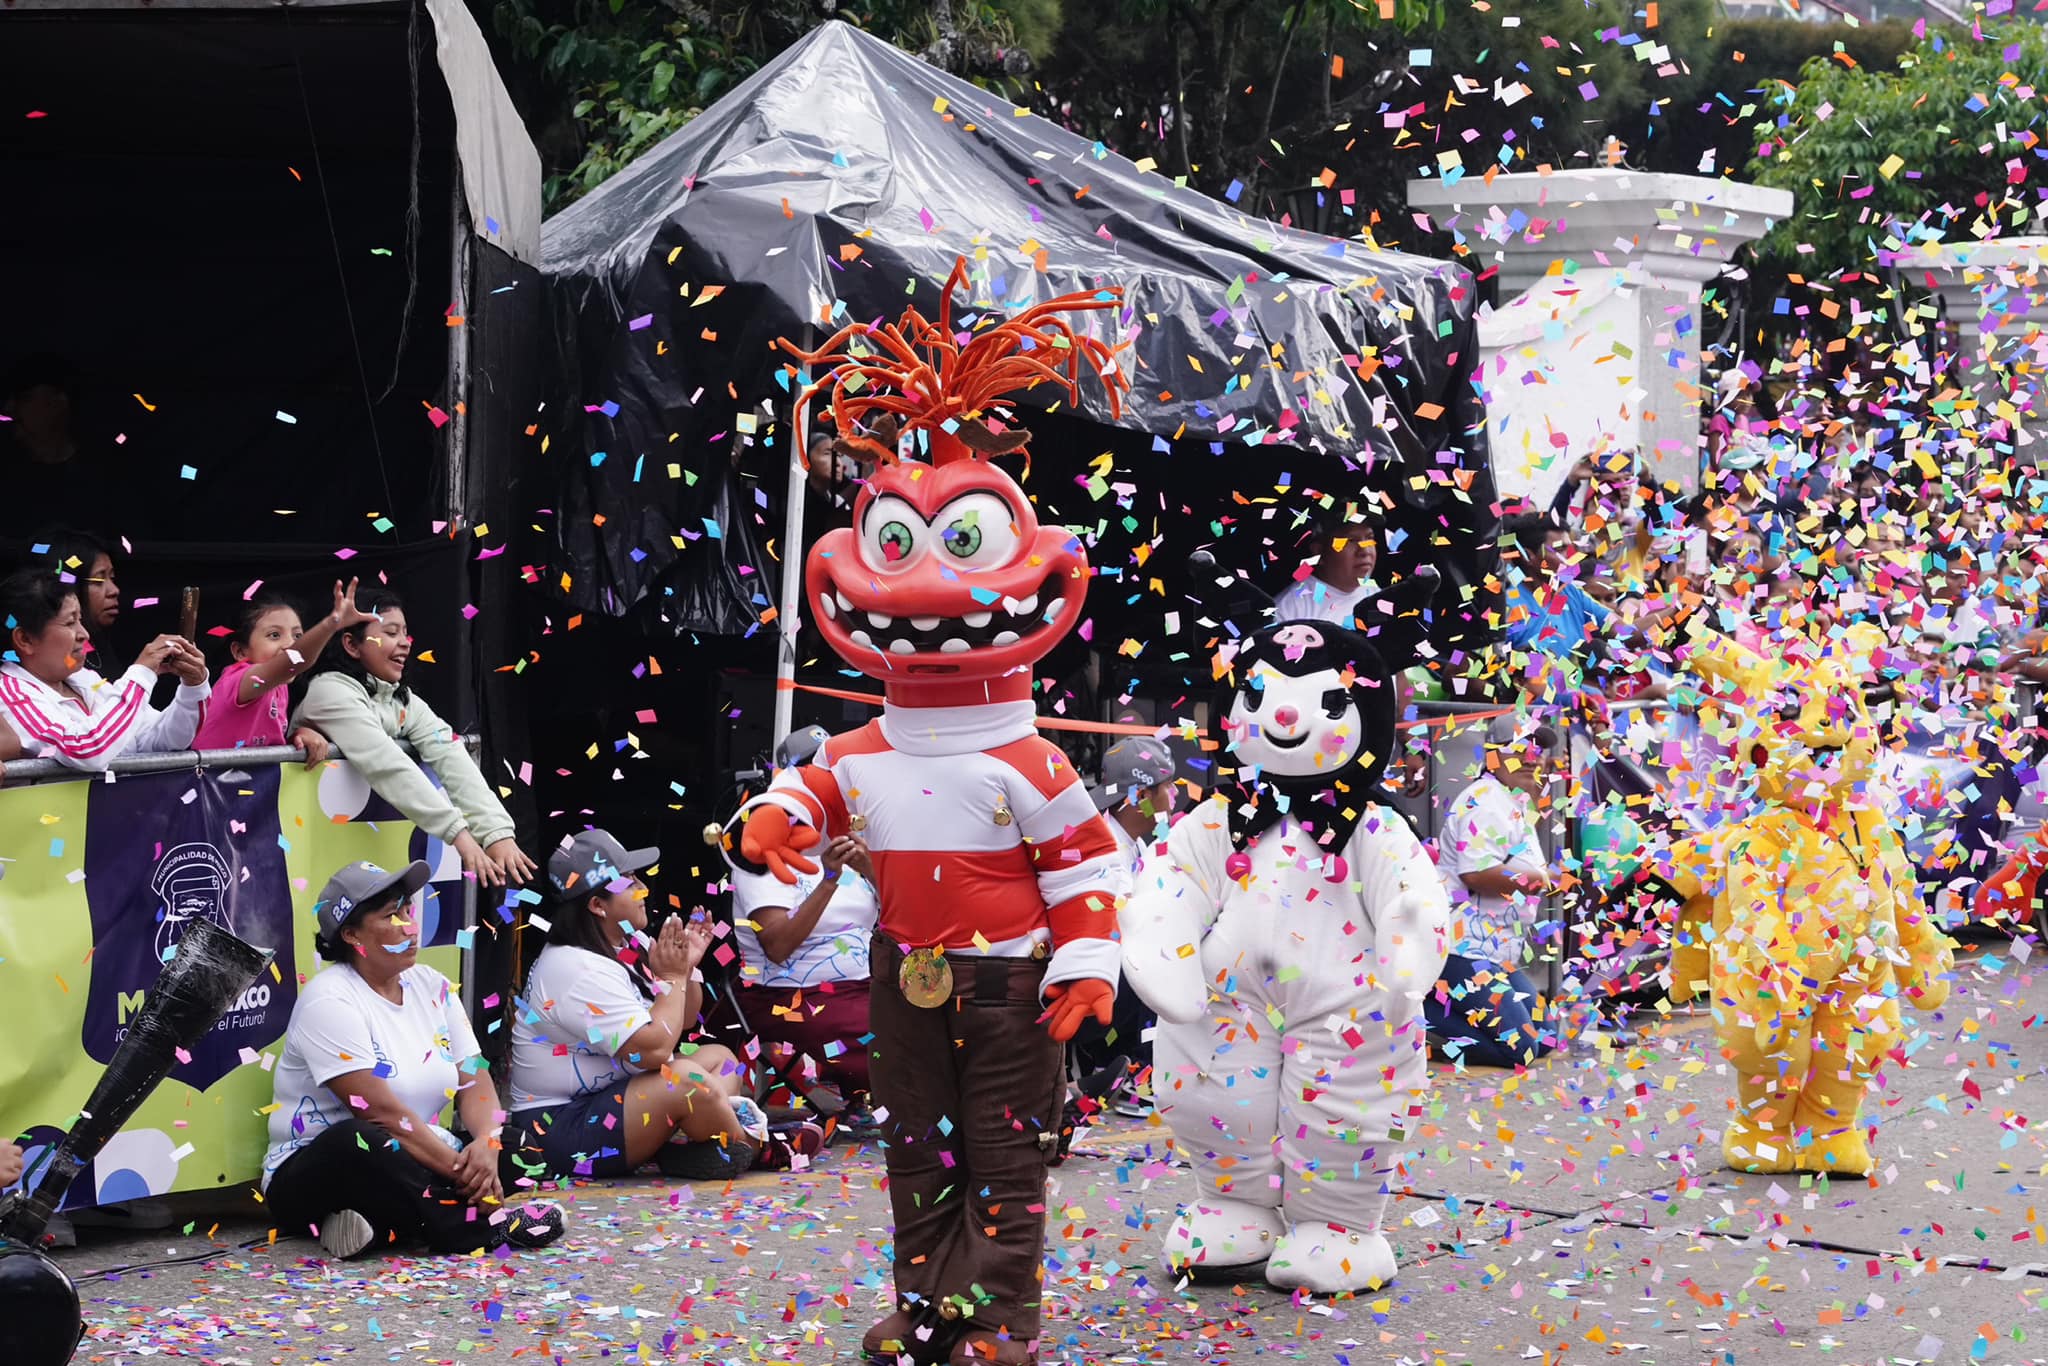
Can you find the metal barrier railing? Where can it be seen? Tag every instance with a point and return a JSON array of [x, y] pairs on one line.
[[23, 772]]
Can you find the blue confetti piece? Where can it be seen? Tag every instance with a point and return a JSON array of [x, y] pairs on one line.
[[1236, 189]]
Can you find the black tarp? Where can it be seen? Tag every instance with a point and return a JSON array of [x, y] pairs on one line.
[[840, 183]]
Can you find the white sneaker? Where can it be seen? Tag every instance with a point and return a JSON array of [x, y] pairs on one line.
[[752, 1118], [344, 1234]]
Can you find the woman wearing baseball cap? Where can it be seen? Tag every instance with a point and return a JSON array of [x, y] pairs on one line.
[[377, 1043], [606, 1074]]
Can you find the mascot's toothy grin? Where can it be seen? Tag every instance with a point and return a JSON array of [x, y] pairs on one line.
[[1003, 622]]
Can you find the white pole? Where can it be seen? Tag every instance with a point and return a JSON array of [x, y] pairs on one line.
[[792, 576]]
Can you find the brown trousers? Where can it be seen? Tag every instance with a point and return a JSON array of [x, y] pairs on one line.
[[972, 1094]]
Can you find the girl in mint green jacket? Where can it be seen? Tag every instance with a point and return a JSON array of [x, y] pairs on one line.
[[361, 703]]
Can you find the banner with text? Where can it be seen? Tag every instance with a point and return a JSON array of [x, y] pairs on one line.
[[99, 879]]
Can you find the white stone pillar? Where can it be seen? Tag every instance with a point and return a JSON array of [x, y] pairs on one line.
[[1597, 339]]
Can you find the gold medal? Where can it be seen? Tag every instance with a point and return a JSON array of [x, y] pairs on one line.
[[1003, 816], [926, 978], [856, 822]]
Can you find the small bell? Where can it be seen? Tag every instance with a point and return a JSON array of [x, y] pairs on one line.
[[714, 834]]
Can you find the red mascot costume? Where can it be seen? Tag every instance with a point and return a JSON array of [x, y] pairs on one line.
[[998, 882]]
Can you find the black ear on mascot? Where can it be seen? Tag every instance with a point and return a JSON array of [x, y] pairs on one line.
[[1397, 621]]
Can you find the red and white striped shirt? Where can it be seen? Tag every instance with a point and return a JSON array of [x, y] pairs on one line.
[[984, 840], [114, 718]]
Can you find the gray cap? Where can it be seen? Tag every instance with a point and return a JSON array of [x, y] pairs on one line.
[[1514, 728], [1132, 765], [362, 884], [588, 861]]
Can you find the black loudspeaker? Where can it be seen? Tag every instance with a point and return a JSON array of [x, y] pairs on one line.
[[40, 1323]]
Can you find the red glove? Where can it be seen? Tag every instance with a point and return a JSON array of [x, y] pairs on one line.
[[1073, 1002], [769, 838]]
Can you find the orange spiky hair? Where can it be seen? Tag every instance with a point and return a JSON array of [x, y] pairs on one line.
[[922, 377]]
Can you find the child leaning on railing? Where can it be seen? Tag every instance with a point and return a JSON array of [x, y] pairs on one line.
[[358, 700]]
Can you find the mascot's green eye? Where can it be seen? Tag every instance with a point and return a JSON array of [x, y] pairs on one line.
[[963, 537], [895, 540]]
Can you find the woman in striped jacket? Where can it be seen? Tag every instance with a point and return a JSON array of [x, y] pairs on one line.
[[64, 711]]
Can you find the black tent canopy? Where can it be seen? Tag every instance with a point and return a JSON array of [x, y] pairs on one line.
[[841, 182]]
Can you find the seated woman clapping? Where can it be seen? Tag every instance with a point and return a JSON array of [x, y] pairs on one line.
[[377, 1044], [607, 1073]]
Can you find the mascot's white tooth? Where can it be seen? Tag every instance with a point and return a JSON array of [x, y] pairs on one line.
[[863, 638], [977, 619], [1004, 638], [826, 608], [902, 647], [880, 622], [844, 604], [954, 646], [1021, 607], [924, 623], [1053, 610]]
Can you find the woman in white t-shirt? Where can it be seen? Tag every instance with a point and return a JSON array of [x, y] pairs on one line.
[[804, 965], [377, 1045], [607, 1074]]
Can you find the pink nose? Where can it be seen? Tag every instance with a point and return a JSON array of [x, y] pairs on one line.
[[1285, 717]]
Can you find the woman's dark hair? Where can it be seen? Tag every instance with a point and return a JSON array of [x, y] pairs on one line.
[[376, 599], [335, 949], [30, 599], [66, 551], [571, 923]]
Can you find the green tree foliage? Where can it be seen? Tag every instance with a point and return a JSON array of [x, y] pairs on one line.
[[1939, 149], [1297, 101], [1712, 131]]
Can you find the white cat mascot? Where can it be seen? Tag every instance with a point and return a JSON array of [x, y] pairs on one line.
[[1286, 936]]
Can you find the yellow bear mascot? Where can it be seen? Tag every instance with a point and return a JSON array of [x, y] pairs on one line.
[[1803, 919]]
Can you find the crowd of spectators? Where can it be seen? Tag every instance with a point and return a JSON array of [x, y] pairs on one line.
[[1804, 525]]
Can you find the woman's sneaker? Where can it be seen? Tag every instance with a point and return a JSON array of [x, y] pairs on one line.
[[705, 1160], [535, 1223], [791, 1147], [345, 1234]]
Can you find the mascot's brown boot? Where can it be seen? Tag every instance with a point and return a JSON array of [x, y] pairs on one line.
[[977, 1348], [898, 1336]]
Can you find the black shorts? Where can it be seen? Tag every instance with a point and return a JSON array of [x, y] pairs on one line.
[[585, 1137]]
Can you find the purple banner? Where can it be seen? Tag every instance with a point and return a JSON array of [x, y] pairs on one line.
[[165, 849]]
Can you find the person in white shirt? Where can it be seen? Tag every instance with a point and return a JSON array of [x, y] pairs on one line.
[[1338, 575], [1491, 854], [607, 1071], [804, 966], [61, 710], [1137, 793], [377, 1044]]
